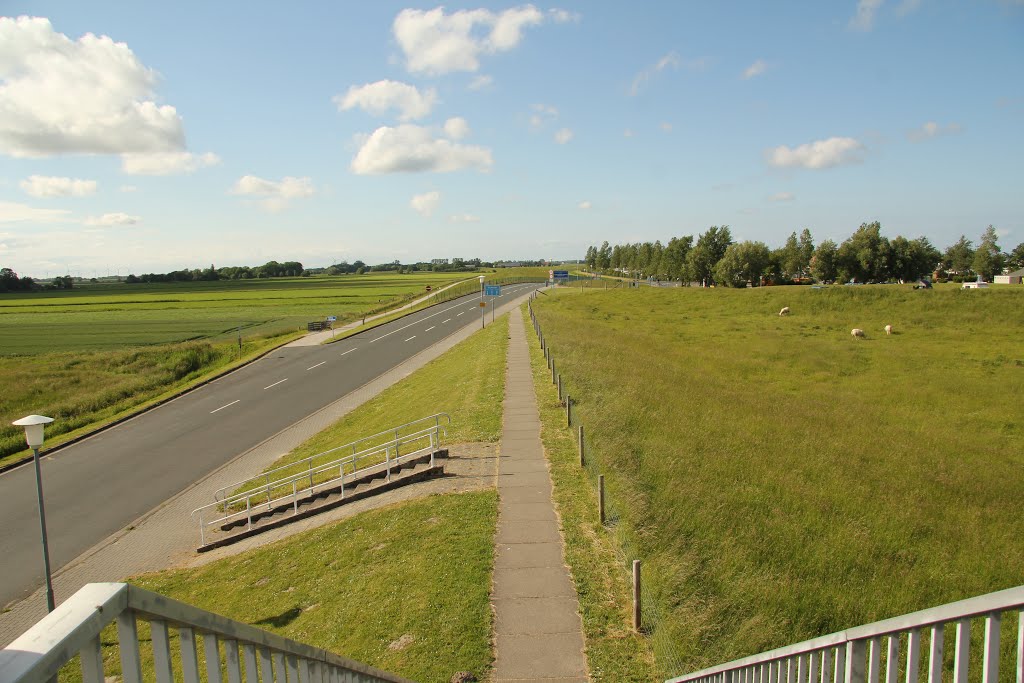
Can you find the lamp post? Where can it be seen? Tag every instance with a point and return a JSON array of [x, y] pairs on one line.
[[33, 425], [482, 312]]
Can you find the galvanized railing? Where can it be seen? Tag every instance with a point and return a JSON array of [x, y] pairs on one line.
[[74, 629], [291, 490], [865, 653], [388, 435]]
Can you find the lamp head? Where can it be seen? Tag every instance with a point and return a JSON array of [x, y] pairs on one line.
[[481, 279], [33, 425]]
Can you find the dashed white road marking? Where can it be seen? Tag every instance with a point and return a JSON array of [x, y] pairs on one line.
[[349, 351], [275, 383], [460, 314], [411, 338], [445, 321], [430, 328], [225, 406], [317, 365]]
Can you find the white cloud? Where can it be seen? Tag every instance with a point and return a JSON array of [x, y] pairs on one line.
[[85, 96], [933, 130], [628, 133], [412, 149], [424, 204], [128, 188], [456, 128], [112, 219], [437, 43], [864, 19], [481, 82], [50, 186], [542, 115], [666, 126], [276, 195], [166, 163], [464, 218], [907, 6], [584, 205], [782, 197], [669, 60], [12, 212], [377, 98], [755, 69], [563, 135], [818, 154], [561, 16]]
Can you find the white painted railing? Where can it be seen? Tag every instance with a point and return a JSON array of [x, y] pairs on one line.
[[292, 489], [867, 653], [74, 629]]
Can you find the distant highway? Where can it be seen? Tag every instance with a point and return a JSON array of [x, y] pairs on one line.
[[102, 484]]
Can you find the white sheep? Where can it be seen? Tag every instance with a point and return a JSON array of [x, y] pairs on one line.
[[888, 329], [857, 332], [784, 311]]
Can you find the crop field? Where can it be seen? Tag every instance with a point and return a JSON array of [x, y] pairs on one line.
[[114, 316], [781, 479]]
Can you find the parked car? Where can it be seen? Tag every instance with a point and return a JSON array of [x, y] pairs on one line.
[[923, 283], [980, 284]]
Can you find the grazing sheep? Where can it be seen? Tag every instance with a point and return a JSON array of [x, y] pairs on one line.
[[857, 332], [888, 329], [784, 311]]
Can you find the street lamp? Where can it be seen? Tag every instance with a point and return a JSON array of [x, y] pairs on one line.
[[481, 302], [33, 425]]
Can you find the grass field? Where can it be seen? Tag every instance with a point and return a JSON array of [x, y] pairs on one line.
[[782, 480], [420, 570], [111, 316]]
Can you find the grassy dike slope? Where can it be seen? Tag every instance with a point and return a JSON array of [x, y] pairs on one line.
[[782, 480], [420, 569]]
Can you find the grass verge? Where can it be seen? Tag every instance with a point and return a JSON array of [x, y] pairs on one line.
[[405, 588], [782, 480], [614, 651]]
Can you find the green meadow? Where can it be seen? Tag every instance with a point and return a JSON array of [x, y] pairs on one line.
[[782, 480], [111, 316]]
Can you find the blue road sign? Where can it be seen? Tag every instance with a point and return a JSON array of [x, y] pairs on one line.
[[560, 274], [492, 290]]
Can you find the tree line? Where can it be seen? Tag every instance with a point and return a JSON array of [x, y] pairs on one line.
[[866, 256], [10, 282]]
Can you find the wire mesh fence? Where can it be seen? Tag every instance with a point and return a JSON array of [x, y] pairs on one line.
[[668, 660]]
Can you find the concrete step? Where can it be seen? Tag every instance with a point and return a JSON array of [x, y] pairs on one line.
[[371, 484]]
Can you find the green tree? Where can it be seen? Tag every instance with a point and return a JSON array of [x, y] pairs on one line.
[[823, 262], [743, 262], [674, 259], [591, 259], [865, 255], [806, 250], [988, 260], [708, 251], [604, 256], [791, 257], [958, 257], [1015, 259]]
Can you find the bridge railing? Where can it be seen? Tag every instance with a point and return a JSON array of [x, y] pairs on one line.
[[74, 628], [866, 654]]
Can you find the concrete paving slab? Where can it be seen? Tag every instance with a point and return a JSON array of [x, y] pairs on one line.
[[527, 531], [539, 656], [519, 616], [524, 466], [526, 494], [519, 511], [522, 555], [533, 582], [510, 479]]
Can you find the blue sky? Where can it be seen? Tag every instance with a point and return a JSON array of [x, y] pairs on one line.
[[236, 133]]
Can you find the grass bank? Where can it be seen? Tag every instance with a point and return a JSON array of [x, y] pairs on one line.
[[614, 651], [467, 382], [783, 480], [404, 588]]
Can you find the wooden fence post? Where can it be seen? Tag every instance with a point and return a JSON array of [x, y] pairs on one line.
[[582, 461], [636, 595], [600, 497]]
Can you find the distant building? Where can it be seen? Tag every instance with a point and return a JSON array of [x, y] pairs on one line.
[[1014, 278], [439, 262], [509, 264]]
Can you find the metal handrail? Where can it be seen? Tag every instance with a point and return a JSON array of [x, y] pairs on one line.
[[219, 493], [855, 655], [74, 629], [429, 439]]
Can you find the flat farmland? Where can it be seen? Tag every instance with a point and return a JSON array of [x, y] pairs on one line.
[[94, 317], [782, 480]]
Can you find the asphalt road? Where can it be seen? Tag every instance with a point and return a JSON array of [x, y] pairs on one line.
[[102, 484]]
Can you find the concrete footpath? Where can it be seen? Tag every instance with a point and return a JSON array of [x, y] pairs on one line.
[[537, 626]]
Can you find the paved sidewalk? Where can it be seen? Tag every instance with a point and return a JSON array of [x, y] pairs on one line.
[[538, 631], [167, 536]]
